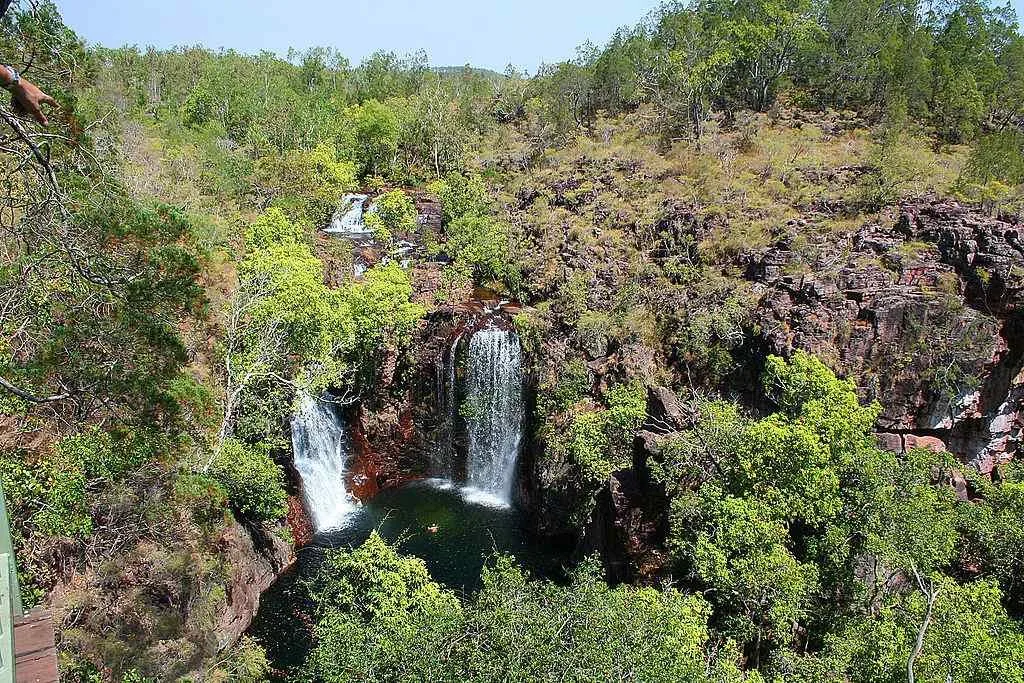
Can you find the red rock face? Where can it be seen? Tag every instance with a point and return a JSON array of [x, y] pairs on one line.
[[926, 316], [253, 569], [299, 523]]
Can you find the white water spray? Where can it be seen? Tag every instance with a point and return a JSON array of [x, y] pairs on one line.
[[321, 449], [348, 219], [494, 413]]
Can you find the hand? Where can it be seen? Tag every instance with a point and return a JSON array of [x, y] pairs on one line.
[[28, 99]]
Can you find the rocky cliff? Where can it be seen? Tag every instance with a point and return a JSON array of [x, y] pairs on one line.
[[925, 314], [255, 558]]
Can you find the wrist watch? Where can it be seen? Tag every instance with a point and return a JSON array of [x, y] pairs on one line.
[[15, 77]]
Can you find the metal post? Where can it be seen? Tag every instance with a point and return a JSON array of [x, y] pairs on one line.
[[7, 549], [6, 618]]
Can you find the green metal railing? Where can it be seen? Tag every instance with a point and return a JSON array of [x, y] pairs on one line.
[[10, 596]]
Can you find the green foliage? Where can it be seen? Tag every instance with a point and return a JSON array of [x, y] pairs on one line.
[[571, 386], [474, 236], [599, 441], [246, 662], [994, 535], [103, 321], [54, 494], [460, 195], [393, 212], [290, 281], [253, 481], [377, 312], [482, 242], [711, 325], [307, 185], [374, 130], [778, 515], [273, 228], [740, 548], [286, 322], [994, 168], [894, 161], [967, 620], [381, 618]]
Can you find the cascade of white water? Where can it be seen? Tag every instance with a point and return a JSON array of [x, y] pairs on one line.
[[321, 449], [494, 411], [348, 219], [444, 458]]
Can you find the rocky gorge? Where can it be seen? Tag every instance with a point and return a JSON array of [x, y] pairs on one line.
[[921, 311]]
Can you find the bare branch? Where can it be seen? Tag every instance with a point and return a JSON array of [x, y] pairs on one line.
[[32, 398]]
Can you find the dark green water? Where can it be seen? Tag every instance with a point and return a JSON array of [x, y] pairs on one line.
[[467, 533]]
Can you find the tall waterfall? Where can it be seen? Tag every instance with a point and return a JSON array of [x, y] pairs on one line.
[[321, 448], [494, 415], [444, 453]]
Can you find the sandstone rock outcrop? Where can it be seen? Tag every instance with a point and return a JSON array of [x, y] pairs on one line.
[[256, 558], [924, 314]]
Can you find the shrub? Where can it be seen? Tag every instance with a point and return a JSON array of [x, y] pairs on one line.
[[374, 127], [460, 195], [253, 481], [307, 185], [600, 441], [203, 495], [481, 241], [273, 228], [393, 212]]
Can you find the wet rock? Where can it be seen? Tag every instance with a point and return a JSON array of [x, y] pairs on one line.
[[299, 523]]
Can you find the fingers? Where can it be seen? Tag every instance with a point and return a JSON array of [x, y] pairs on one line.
[[37, 111], [29, 100]]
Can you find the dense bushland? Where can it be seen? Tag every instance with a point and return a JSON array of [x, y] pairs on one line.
[[166, 297], [800, 548]]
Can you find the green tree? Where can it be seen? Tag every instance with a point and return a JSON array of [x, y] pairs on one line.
[[393, 212], [375, 134], [253, 481], [381, 618], [307, 185]]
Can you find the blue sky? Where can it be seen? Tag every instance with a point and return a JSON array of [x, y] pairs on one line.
[[485, 33]]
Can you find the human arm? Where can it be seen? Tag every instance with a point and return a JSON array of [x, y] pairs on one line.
[[27, 98]]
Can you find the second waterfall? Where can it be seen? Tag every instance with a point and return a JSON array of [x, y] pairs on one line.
[[493, 411]]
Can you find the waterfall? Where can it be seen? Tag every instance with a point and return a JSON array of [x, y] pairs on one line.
[[494, 412], [444, 451], [321, 448], [348, 219]]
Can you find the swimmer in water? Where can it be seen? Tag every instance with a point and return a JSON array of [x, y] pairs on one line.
[[432, 528]]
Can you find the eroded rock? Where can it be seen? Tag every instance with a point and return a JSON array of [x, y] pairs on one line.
[[925, 315]]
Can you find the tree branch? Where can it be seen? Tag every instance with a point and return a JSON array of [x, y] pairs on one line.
[[32, 398], [932, 594]]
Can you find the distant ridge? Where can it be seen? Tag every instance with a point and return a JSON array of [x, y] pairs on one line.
[[455, 70]]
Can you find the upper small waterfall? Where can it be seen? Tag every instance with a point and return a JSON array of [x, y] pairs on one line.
[[321, 448], [494, 411], [348, 218]]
